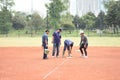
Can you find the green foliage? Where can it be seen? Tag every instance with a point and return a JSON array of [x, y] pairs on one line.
[[5, 16], [113, 14], [55, 9], [37, 22], [76, 21], [100, 22], [59, 16], [89, 20], [67, 19], [19, 21], [67, 27], [66, 4], [79, 22], [7, 4], [5, 21]]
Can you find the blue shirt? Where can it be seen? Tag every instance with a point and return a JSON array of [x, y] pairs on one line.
[[57, 37], [68, 42], [44, 38]]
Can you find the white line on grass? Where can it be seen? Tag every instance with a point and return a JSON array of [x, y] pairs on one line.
[[54, 69]]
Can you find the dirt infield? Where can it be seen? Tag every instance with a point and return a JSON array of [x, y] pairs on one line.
[[25, 63]]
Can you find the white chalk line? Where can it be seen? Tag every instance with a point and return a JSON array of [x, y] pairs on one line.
[[54, 69]]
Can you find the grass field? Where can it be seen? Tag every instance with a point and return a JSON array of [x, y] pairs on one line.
[[36, 41]]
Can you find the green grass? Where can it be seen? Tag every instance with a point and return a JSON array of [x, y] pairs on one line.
[[36, 41], [68, 33]]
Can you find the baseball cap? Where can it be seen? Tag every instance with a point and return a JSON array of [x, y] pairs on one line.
[[81, 32]]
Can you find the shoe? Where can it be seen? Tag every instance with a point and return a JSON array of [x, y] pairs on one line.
[[53, 56], [45, 58], [85, 56], [57, 56], [63, 56], [81, 55], [69, 57]]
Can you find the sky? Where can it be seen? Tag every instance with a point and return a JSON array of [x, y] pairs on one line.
[[38, 5]]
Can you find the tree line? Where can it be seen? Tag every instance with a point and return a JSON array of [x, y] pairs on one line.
[[58, 15]]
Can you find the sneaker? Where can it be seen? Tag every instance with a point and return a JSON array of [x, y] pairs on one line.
[[85, 56], [57, 56], [53, 56], [63, 56], [81, 55], [45, 58], [69, 57]]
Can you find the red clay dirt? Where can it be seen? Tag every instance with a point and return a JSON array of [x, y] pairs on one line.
[[26, 63]]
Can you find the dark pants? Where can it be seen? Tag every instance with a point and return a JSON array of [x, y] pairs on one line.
[[67, 46], [56, 47], [44, 55], [82, 47]]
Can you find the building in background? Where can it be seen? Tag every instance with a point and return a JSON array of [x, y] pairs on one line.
[[85, 6]]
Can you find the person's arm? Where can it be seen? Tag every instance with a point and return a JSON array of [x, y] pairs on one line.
[[80, 41], [85, 41], [46, 40], [53, 37], [60, 39]]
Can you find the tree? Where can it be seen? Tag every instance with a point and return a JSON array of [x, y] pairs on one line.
[[100, 21], [5, 21], [113, 13], [89, 20], [6, 4], [5, 15], [76, 21], [67, 6], [55, 9], [67, 27], [82, 24], [66, 19], [37, 22], [19, 21]]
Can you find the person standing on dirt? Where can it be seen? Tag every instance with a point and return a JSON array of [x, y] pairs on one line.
[[83, 44], [56, 40], [45, 43], [68, 44]]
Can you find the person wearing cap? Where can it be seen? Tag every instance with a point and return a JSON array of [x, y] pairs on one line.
[[68, 44], [83, 44], [56, 40], [45, 43]]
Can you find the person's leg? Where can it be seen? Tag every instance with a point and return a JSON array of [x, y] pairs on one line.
[[58, 47], [68, 48], [44, 54], [71, 49], [85, 49], [82, 46], [65, 46], [54, 47]]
